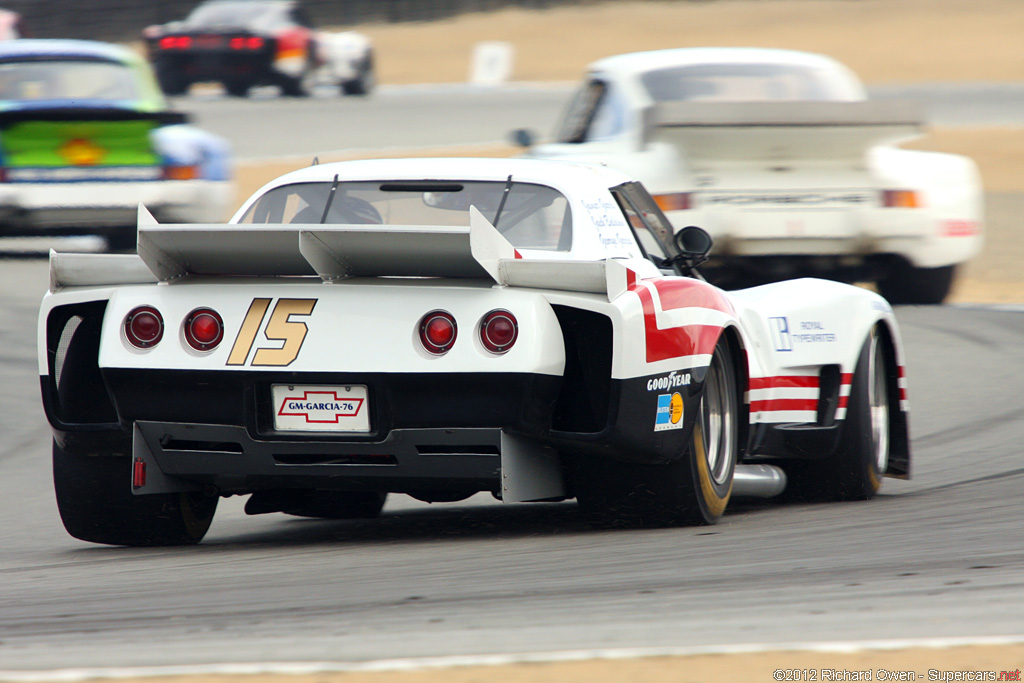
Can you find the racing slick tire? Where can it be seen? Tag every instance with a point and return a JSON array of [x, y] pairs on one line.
[[907, 284], [692, 490], [236, 88], [340, 505], [96, 503], [364, 83], [855, 470], [172, 84]]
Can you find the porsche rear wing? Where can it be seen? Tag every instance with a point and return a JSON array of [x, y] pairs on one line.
[[780, 131], [168, 253]]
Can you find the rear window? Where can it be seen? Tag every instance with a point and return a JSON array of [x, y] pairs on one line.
[[746, 83], [67, 80], [531, 216], [216, 15]]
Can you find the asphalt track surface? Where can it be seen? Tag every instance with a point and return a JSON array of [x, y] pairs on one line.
[[938, 556]]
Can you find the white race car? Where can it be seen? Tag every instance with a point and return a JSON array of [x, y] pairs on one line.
[[440, 327], [784, 160]]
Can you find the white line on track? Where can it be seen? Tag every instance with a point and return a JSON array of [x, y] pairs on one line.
[[425, 663]]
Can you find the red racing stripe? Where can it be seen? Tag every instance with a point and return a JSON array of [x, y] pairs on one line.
[[684, 340], [784, 381], [774, 404]]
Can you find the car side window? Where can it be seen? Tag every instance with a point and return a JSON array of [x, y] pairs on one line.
[[610, 117], [581, 111], [650, 227]]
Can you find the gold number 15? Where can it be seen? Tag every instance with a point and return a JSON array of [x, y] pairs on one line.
[[279, 328]]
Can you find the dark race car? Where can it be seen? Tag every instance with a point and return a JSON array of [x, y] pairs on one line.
[[243, 43]]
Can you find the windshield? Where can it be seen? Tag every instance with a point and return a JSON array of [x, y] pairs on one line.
[[66, 80], [531, 216], [220, 15], [745, 83]]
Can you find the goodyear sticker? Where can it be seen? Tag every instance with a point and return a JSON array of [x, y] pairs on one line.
[[670, 412]]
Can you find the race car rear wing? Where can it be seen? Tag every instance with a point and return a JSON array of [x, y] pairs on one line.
[[780, 131], [333, 252]]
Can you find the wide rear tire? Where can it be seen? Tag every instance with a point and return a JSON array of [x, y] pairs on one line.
[[855, 470], [692, 490], [96, 503], [905, 284], [365, 82]]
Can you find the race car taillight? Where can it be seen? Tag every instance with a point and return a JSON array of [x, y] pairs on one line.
[[498, 331], [901, 199], [143, 327], [203, 329], [175, 43], [181, 172], [438, 331], [246, 43], [674, 201], [293, 43]]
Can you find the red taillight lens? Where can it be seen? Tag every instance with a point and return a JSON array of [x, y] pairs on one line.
[[438, 331], [144, 327], [243, 43], [175, 43], [498, 331], [204, 329]]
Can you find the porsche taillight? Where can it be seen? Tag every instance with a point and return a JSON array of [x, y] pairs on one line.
[[499, 330], [203, 329], [190, 172], [438, 332], [143, 327], [674, 201], [901, 199]]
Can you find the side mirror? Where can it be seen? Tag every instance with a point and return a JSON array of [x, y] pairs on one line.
[[693, 242], [522, 137]]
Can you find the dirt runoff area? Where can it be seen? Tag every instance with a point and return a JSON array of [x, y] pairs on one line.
[[885, 41]]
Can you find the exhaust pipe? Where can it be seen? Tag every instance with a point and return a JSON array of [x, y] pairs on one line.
[[758, 481]]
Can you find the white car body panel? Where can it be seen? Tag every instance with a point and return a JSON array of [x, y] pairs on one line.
[[343, 53]]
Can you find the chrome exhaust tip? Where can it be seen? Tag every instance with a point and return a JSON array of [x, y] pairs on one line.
[[758, 481]]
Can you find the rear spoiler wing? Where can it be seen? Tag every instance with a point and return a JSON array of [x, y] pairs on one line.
[[332, 252], [780, 130]]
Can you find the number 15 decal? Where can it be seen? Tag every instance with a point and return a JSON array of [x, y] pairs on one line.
[[280, 328]]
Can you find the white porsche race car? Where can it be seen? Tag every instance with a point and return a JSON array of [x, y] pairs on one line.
[[784, 160], [441, 327]]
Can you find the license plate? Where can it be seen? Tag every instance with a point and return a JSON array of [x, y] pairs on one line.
[[320, 408]]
